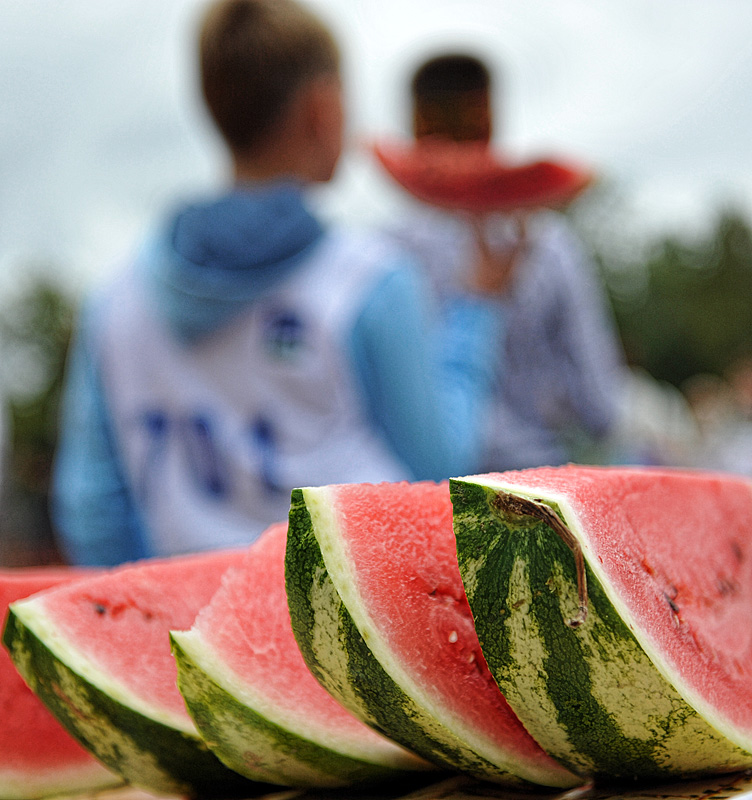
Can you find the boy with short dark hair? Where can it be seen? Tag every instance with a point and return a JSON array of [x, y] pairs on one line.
[[256, 60], [560, 397], [451, 95], [247, 350]]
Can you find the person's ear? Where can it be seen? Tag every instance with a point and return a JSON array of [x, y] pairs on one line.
[[323, 121], [323, 106]]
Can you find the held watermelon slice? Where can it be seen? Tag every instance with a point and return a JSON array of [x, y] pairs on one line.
[[61, 765], [253, 698], [98, 654], [379, 613], [638, 662], [468, 176]]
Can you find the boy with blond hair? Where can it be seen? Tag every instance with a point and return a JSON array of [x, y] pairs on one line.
[[247, 349]]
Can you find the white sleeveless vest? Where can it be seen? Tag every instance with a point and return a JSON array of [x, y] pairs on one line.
[[214, 436]]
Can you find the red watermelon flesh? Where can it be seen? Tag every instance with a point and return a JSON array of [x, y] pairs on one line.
[[244, 640], [120, 620], [469, 176], [676, 546], [61, 764], [400, 549], [248, 626]]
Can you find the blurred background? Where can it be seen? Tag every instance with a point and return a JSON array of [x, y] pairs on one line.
[[102, 130]]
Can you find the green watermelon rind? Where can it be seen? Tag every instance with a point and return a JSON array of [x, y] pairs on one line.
[[350, 660], [250, 741], [144, 751], [567, 684]]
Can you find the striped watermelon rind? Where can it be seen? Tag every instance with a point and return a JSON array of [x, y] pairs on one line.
[[147, 752], [247, 737], [62, 766], [590, 694], [343, 649]]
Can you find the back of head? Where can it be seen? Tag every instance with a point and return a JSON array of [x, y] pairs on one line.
[[451, 98], [254, 56]]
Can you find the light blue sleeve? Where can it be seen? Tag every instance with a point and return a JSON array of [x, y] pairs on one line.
[[428, 381], [95, 519]]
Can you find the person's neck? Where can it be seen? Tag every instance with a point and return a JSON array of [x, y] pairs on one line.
[[261, 171], [283, 159]]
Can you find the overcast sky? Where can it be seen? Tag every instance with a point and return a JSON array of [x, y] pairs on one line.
[[102, 129]]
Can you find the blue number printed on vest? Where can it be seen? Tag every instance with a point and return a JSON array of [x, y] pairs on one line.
[[155, 424], [263, 441], [196, 437], [204, 463]]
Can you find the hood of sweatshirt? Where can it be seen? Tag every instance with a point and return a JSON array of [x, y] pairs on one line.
[[214, 257]]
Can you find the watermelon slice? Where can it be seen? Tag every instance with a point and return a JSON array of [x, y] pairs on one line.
[[379, 613], [28, 770], [98, 654], [468, 176], [254, 700], [615, 610]]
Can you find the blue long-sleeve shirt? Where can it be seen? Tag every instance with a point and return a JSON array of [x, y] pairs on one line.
[[425, 394]]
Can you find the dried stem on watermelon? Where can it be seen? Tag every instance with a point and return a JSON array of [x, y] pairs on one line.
[[507, 503]]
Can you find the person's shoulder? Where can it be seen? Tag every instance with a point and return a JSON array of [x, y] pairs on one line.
[[372, 246], [117, 281], [557, 244], [422, 228], [376, 272], [554, 227]]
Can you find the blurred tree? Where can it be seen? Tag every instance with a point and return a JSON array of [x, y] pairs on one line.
[[35, 329], [684, 306]]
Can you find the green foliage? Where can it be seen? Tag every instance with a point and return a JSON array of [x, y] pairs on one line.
[[686, 308], [35, 329]]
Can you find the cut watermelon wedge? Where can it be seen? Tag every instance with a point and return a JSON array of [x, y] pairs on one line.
[[381, 618], [98, 654], [468, 176], [62, 765], [253, 698], [637, 664]]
